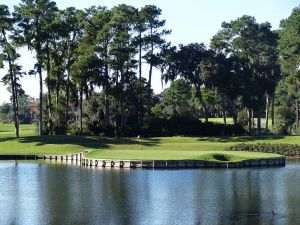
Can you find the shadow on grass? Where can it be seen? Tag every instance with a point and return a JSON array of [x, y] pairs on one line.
[[83, 141], [241, 138]]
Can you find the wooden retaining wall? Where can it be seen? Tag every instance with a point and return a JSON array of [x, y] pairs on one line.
[[163, 164], [173, 164]]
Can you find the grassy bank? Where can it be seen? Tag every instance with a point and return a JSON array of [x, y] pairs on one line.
[[164, 148]]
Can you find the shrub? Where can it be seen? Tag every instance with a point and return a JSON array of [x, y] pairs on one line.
[[243, 117], [189, 126], [292, 150]]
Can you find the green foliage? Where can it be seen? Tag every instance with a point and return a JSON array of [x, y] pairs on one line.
[[93, 60], [285, 118], [24, 110], [243, 117], [95, 113], [292, 150], [74, 128], [285, 107], [189, 126], [5, 113], [290, 42], [176, 101], [290, 63]]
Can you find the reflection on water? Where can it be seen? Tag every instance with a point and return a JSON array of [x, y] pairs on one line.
[[39, 193]]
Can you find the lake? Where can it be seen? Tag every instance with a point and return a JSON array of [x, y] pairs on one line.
[[48, 193]]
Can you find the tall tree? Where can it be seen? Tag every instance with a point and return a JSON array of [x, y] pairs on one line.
[[84, 70], [254, 45], [138, 41], [72, 29], [122, 51], [99, 30], [33, 29], [290, 54], [10, 55], [184, 62], [153, 40]]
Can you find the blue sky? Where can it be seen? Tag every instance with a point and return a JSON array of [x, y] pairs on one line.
[[189, 20]]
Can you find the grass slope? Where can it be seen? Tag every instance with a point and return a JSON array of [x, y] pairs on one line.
[[164, 148]]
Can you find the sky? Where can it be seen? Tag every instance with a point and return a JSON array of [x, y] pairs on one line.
[[189, 20]]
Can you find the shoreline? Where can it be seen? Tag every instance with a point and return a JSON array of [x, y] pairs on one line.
[[80, 159]]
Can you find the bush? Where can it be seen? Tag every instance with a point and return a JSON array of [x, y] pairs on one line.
[[190, 127], [284, 120], [243, 117], [292, 150], [295, 131], [74, 129]]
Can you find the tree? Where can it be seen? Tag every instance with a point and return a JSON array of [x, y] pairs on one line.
[[254, 46], [216, 75], [72, 30], [290, 54], [83, 70], [176, 101], [10, 55], [99, 30], [33, 22], [153, 40], [138, 41], [184, 62], [122, 52]]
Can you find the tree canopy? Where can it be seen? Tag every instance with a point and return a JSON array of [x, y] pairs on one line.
[[98, 63]]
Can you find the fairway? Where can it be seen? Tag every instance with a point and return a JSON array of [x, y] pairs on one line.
[[229, 120], [160, 148]]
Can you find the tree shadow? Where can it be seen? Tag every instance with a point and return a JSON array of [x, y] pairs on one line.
[[241, 138], [83, 141], [7, 139]]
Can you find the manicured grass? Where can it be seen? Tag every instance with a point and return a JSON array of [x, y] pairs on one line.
[[164, 148], [229, 120], [175, 155], [8, 130]]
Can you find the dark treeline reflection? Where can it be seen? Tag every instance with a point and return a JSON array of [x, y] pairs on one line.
[[38, 193]]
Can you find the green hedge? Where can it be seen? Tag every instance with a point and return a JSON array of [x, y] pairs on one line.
[[291, 150]]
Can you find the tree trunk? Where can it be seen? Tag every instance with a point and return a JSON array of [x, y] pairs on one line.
[[122, 100], [224, 117], [235, 116], [13, 88], [140, 82], [106, 73], [249, 121], [106, 120], [253, 119], [149, 90], [267, 111], [14, 96], [57, 96], [41, 100], [297, 113], [224, 109], [258, 121], [204, 108], [150, 78], [67, 98], [17, 123], [80, 106], [68, 78], [50, 122], [273, 111]]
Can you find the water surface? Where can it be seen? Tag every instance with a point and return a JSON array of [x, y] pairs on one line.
[[42, 193]]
